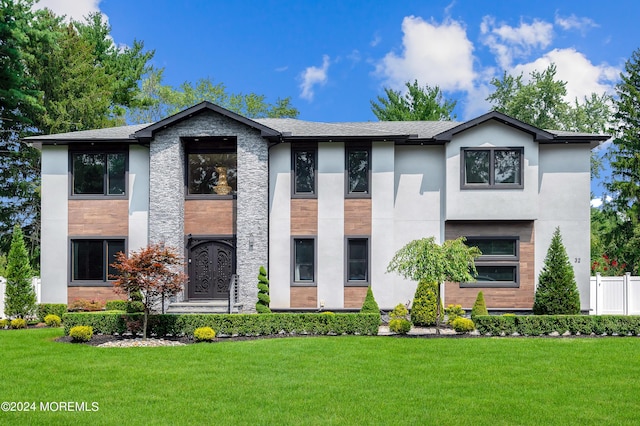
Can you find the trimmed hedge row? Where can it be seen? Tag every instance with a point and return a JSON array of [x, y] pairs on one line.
[[228, 325], [45, 309], [536, 325]]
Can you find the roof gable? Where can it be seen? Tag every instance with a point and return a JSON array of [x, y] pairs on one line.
[[538, 134], [147, 133]]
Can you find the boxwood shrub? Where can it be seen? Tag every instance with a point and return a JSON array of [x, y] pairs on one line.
[[536, 325], [45, 309], [230, 325]]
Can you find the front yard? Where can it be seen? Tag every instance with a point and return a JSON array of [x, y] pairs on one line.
[[324, 380]]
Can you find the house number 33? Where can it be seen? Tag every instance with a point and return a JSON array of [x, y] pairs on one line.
[[576, 260]]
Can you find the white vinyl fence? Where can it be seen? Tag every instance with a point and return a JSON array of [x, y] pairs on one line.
[[615, 295], [37, 286]]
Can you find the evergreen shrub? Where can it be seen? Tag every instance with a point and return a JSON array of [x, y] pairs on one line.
[[116, 305], [452, 312], [463, 325], [81, 333], [479, 307], [262, 305], [4, 323], [424, 310], [52, 320], [45, 309], [370, 306], [18, 323], [400, 325], [204, 334]]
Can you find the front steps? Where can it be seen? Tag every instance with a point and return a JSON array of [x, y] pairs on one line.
[[199, 307]]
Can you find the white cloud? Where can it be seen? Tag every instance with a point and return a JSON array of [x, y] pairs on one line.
[[376, 40], [597, 202], [282, 69], [73, 9], [582, 76], [434, 54], [508, 43], [573, 22], [313, 76]]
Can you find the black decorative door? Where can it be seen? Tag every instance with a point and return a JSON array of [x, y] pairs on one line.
[[211, 265]]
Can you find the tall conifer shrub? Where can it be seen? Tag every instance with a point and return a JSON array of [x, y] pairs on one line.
[[20, 298]]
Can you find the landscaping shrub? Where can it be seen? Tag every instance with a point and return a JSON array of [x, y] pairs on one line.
[[19, 296], [52, 320], [327, 313], [424, 310], [86, 305], [262, 305], [400, 325], [81, 333], [4, 323], [45, 309], [370, 306], [18, 323], [134, 306], [462, 325], [453, 312], [116, 305], [557, 291], [479, 307], [535, 325], [204, 334], [230, 325]]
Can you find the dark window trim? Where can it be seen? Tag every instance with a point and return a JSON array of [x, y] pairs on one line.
[[491, 185], [206, 145], [357, 147], [510, 261], [495, 284], [491, 258], [105, 282], [112, 149], [311, 148], [356, 283], [295, 283]]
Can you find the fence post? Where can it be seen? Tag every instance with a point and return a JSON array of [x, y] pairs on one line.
[[599, 293], [625, 292]]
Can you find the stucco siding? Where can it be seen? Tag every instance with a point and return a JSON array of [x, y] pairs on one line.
[[138, 197], [54, 245]]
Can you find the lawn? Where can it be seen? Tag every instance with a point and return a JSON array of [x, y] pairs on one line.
[[326, 380]]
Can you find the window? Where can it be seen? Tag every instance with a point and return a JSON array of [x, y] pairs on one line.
[[492, 168], [91, 259], [212, 167], [358, 161], [304, 172], [498, 264], [304, 260], [99, 173], [357, 261]]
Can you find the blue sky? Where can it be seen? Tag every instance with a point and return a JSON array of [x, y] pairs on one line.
[[333, 57]]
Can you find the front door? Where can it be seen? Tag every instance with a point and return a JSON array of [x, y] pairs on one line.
[[211, 265]]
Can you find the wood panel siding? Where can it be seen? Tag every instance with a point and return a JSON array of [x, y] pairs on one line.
[[304, 297], [210, 217], [304, 216], [354, 297], [357, 216], [106, 218], [101, 294], [497, 298]]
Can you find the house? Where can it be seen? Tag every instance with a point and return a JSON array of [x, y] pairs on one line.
[[324, 206]]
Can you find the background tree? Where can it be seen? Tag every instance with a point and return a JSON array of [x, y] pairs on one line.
[[557, 292], [541, 103], [157, 100], [156, 271], [20, 298], [425, 260], [624, 158], [262, 305], [417, 104]]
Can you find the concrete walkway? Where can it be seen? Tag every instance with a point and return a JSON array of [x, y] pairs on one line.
[[417, 331]]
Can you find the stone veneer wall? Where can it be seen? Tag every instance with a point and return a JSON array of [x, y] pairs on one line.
[[166, 204]]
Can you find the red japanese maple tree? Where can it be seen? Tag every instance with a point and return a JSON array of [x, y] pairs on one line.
[[156, 271]]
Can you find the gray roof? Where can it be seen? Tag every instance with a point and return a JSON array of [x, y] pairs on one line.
[[109, 134]]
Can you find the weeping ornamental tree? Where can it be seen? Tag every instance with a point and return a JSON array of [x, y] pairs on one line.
[[426, 261], [557, 292]]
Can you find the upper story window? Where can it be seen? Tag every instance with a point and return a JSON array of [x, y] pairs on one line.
[[304, 172], [212, 167], [98, 173], [492, 168], [358, 166]]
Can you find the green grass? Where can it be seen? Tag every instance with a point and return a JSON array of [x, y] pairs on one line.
[[327, 380]]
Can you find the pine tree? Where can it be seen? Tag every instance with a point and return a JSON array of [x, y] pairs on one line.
[[20, 299], [424, 310], [370, 306], [557, 292], [262, 306]]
